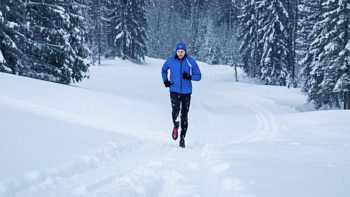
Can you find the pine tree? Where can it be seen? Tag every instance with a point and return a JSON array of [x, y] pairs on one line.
[[58, 54], [274, 35], [292, 26], [93, 24], [227, 20], [195, 14], [123, 38], [337, 77], [248, 35], [76, 52], [139, 48], [111, 12], [213, 54], [131, 30], [161, 43], [308, 50], [305, 24], [331, 56], [44, 40], [12, 38], [3, 65]]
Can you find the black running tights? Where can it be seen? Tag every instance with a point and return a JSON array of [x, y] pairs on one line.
[[180, 102]]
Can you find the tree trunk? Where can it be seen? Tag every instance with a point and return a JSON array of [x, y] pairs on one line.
[[347, 100], [236, 72]]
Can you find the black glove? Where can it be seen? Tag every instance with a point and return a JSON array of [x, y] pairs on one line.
[[186, 76], [167, 83]]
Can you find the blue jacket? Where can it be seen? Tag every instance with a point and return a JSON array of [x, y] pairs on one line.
[[177, 67]]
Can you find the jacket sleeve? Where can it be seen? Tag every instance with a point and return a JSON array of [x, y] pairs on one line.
[[165, 69], [196, 72]]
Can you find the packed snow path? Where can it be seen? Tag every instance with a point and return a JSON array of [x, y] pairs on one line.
[[111, 136], [144, 167]]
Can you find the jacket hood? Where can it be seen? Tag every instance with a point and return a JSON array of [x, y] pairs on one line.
[[180, 45]]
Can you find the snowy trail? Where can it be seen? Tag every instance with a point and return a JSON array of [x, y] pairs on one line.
[[129, 169], [148, 170], [114, 140], [152, 168], [146, 166]]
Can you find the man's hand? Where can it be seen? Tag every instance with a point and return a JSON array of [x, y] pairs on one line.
[[167, 83], [186, 76]]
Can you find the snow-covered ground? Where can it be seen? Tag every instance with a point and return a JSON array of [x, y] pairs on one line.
[[111, 136]]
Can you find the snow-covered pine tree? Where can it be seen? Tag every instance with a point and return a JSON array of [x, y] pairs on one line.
[[304, 29], [227, 21], [131, 30], [213, 53], [163, 19], [3, 65], [43, 40], [274, 36], [123, 38], [309, 28], [332, 56], [217, 39], [12, 39], [76, 51], [248, 22], [111, 11], [181, 20], [292, 24], [337, 74], [305, 23], [197, 12], [59, 53], [139, 48], [93, 16], [157, 43]]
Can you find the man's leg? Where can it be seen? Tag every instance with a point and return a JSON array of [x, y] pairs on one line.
[[185, 101], [175, 104]]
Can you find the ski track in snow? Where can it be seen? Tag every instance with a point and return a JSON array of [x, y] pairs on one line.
[[220, 183], [267, 126]]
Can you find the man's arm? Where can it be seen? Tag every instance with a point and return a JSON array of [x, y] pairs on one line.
[[196, 72], [165, 69]]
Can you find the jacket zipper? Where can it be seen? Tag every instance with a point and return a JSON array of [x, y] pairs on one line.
[[181, 76]]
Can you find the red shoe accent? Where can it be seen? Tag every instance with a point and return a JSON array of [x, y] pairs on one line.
[[175, 133]]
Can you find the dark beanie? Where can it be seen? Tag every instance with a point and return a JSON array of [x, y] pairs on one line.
[[180, 45]]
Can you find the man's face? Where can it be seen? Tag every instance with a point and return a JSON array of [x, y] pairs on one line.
[[180, 53]]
